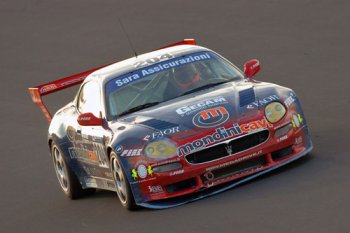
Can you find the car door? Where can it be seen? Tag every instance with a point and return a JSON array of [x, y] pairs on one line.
[[90, 148]]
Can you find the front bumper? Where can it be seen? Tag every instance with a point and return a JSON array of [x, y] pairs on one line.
[[172, 202], [196, 181]]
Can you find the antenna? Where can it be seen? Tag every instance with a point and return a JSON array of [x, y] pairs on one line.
[[127, 37]]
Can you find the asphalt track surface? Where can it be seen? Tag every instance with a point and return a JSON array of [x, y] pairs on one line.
[[301, 44]]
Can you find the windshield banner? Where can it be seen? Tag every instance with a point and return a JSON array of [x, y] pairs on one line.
[[156, 68]]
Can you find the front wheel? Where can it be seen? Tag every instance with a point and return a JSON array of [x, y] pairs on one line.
[[122, 185]]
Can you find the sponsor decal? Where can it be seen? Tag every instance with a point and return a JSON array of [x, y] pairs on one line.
[[87, 148], [48, 87], [261, 102], [119, 149], [252, 155], [282, 138], [95, 156], [131, 153], [211, 117], [143, 180], [161, 133], [90, 182], [290, 100], [86, 118], [297, 121], [298, 140], [155, 189], [83, 154], [159, 67], [200, 105], [153, 60], [128, 152], [142, 171], [222, 134], [69, 82], [178, 172], [165, 162], [101, 154]]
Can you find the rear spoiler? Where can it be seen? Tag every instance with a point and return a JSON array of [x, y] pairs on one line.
[[37, 92]]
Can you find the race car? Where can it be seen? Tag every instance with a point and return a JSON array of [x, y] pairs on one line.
[[171, 126]]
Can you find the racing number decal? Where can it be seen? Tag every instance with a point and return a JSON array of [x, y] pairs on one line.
[[153, 60]]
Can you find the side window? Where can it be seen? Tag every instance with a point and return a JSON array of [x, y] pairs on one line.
[[89, 99]]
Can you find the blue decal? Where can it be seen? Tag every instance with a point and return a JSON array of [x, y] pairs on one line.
[[119, 150]]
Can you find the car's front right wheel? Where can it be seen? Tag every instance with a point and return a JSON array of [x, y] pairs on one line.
[[123, 189]]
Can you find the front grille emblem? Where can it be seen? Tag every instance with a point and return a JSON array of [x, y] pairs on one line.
[[228, 149]]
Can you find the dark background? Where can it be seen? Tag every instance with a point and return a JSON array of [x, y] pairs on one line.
[[302, 44]]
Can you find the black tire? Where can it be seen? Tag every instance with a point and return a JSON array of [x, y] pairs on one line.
[[68, 181], [125, 195]]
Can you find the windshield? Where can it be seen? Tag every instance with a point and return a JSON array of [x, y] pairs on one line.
[[167, 80]]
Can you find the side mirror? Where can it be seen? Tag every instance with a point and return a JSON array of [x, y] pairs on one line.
[[89, 119], [251, 67]]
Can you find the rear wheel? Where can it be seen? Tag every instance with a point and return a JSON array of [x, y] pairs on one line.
[[66, 178], [122, 185]]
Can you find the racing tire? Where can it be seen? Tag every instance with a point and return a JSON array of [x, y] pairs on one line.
[[123, 189], [68, 181]]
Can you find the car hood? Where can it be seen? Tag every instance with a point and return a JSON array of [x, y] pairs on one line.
[[203, 111]]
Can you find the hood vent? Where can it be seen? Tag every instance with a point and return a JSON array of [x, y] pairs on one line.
[[246, 97], [158, 124]]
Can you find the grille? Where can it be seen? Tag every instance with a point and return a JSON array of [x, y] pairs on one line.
[[235, 169], [221, 150]]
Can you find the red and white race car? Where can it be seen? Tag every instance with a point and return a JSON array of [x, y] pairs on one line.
[[171, 126]]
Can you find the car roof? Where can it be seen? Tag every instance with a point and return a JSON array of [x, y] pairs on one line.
[[107, 73]]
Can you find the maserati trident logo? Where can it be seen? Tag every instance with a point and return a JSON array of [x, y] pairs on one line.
[[228, 149]]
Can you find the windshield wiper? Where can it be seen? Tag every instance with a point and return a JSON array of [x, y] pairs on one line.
[[205, 87], [137, 108]]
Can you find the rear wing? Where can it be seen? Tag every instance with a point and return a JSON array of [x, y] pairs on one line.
[[36, 93]]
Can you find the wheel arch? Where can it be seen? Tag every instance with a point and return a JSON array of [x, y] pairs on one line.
[[50, 143], [109, 151]]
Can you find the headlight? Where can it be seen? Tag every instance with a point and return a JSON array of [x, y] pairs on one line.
[[161, 149], [274, 112]]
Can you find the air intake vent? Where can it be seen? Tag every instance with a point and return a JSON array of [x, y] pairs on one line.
[[158, 124], [246, 97], [236, 169], [282, 153]]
